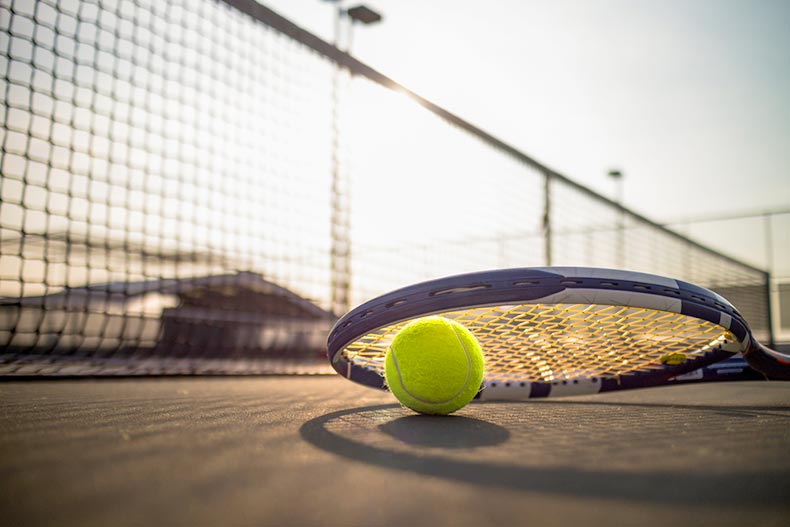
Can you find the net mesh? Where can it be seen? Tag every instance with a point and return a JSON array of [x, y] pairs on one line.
[[186, 184]]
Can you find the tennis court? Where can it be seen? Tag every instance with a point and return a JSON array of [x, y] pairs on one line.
[[321, 451], [193, 193]]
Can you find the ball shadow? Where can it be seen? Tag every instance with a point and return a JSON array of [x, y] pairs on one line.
[[453, 431]]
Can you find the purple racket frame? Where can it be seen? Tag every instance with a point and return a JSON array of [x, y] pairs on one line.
[[745, 359]]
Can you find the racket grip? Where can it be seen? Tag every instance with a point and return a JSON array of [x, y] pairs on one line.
[[771, 363]]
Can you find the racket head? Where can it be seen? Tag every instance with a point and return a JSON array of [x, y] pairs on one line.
[[554, 330]]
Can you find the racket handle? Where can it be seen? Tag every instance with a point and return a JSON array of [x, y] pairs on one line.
[[771, 363]]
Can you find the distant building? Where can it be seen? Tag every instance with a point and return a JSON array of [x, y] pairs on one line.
[[233, 315]]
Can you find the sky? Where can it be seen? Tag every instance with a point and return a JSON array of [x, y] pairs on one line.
[[689, 99]]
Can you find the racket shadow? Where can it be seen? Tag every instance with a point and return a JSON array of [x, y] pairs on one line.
[[557, 447]]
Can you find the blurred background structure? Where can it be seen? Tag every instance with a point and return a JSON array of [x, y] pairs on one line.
[[204, 186], [769, 243]]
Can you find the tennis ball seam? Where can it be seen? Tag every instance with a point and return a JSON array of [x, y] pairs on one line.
[[459, 392]]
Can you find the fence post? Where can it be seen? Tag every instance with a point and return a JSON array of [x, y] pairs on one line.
[[547, 235]]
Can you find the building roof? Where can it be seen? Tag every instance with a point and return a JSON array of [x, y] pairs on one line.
[[227, 286]]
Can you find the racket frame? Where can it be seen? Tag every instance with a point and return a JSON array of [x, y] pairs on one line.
[[556, 285]]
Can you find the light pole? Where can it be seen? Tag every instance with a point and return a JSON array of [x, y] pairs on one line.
[[358, 14], [617, 177], [340, 224]]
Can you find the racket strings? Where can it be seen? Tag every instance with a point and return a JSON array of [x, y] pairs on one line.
[[551, 342]]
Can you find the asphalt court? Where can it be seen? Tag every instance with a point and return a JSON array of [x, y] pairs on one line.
[[322, 451]]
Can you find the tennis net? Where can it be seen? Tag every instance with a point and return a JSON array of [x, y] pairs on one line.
[[200, 186]]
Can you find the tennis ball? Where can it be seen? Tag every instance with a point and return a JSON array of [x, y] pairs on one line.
[[434, 366]]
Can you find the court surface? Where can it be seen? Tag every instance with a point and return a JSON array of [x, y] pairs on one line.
[[323, 451]]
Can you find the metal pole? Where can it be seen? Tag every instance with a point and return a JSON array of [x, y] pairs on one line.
[[769, 241], [340, 251], [617, 176], [769, 263], [340, 214], [547, 234]]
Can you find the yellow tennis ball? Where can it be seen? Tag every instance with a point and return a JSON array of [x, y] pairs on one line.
[[434, 366]]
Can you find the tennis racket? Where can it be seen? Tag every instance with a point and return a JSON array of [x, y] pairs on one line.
[[553, 331]]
